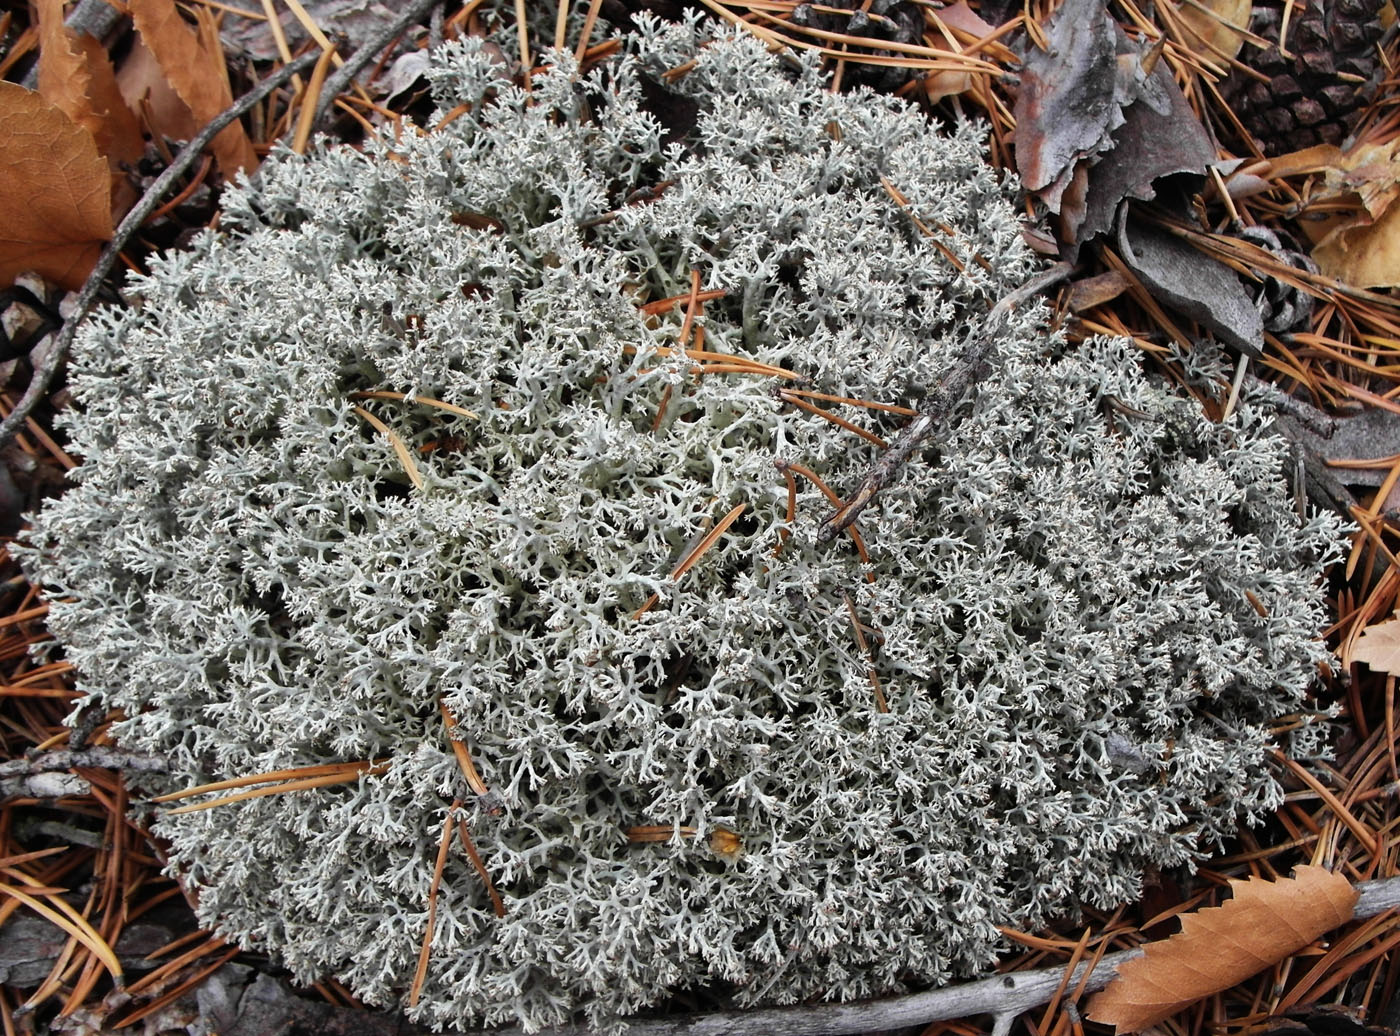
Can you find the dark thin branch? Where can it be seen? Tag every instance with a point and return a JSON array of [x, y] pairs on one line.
[[937, 412], [935, 415], [339, 81], [150, 201]]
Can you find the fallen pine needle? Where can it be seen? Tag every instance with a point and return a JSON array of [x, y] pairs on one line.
[[405, 457], [425, 953]]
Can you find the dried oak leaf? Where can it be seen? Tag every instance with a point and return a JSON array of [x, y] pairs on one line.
[[55, 192], [1379, 647], [1221, 946], [193, 60], [1216, 28], [77, 78]]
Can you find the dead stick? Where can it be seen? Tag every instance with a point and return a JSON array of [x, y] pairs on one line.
[[935, 413], [150, 201], [99, 758], [938, 410]]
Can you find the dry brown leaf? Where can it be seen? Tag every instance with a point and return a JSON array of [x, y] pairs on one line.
[[1313, 159], [55, 196], [1366, 173], [119, 137], [1364, 255], [1379, 647], [193, 61], [63, 73], [76, 77], [1221, 24], [1351, 245], [1265, 922], [965, 20], [145, 90]]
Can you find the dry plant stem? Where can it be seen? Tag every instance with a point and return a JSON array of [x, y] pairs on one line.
[[337, 83], [150, 201]]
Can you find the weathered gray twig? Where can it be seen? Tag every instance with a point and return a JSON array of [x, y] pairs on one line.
[[150, 201], [938, 410], [935, 414], [46, 776], [339, 81], [99, 757]]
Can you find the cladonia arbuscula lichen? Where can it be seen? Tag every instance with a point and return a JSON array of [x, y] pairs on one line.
[[1053, 613]]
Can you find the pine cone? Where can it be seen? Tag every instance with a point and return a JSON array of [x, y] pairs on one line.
[[896, 21], [1317, 92]]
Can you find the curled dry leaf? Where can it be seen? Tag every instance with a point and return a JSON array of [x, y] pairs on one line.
[[55, 196], [959, 18], [193, 61], [77, 78], [1219, 947], [1379, 647], [1216, 28], [1066, 111], [1362, 248]]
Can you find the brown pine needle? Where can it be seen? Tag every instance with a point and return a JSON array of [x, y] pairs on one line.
[[463, 754], [37, 854], [72, 923], [835, 501], [348, 774], [178, 991], [725, 360], [561, 23], [689, 561], [661, 410], [903, 411], [296, 773], [465, 836], [309, 102], [425, 953], [522, 31], [405, 457], [924, 56], [154, 979], [1363, 834], [695, 554], [827, 415], [660, 306], [880, 704], [692, 308], [903, 202], [656, 833], [451, 408], [590, 20], [784, 534]]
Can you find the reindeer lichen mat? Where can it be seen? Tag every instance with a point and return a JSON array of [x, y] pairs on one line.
[[524, 428]]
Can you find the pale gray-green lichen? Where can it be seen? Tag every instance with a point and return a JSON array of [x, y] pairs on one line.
[[1078, 685]]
